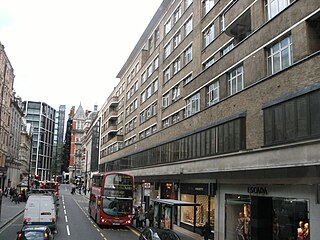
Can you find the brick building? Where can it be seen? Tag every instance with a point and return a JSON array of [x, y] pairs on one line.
[[218, 104]]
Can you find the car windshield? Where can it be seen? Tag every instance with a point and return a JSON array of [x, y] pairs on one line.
[[34, 235]]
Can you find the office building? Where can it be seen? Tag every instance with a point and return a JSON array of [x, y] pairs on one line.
[[218, 105], [41, 116]]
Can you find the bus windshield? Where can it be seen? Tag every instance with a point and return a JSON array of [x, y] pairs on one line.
[[117, 207], [118, 195]]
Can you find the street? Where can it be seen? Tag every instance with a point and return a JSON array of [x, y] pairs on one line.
[[73, 221]]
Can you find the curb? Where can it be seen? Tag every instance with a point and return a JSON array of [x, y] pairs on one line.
[[6, 223]]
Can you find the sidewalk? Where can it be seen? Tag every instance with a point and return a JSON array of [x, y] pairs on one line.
[[9, 210]]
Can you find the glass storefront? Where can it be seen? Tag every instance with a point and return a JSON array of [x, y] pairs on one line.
[[258, 218]]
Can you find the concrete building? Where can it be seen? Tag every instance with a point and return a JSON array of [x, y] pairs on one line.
[[90, 144], [41, 116], [218, 104], [25, 151], [6, 93], [13, 161]]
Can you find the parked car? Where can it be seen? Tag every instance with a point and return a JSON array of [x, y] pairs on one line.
[[35, 232], [151, 233]]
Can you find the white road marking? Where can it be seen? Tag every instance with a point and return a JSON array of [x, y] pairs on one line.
[[66, 217], [68, 231]]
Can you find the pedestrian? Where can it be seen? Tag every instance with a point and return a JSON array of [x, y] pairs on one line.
[[136, 216], [151, 215], [206, 231], [141, 217]]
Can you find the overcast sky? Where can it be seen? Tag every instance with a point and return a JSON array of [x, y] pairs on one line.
[[69, 51]]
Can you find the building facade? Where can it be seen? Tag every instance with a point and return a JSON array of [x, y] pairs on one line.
[[41, 116], [25, 151], [6, 92], [218, 104], [58, 141], [13, 162]]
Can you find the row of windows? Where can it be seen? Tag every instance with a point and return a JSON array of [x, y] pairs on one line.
[[147, 132], [151, 89], [227, 137], [148, 112], [291, 120], [177, 64], [177, 38]]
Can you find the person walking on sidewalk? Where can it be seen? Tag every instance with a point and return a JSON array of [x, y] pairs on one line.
[[206, 231]]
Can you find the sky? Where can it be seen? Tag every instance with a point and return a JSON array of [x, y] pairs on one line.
[[69, 52]]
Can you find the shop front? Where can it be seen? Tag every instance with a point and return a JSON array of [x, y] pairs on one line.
[[194, 217], [268, 212]]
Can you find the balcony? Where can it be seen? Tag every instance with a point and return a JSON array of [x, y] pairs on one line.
[[241, 27]]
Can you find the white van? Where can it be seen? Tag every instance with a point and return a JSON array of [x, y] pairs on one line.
[[40, 210]]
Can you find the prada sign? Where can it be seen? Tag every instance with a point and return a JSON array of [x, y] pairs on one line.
[[257, 190]]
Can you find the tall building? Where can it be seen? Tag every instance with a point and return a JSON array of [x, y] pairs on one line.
[[42, 119], [90, 144], [13, 161], [218, 104], [58, 141], [25, 151], [76, 150], [6, 93]]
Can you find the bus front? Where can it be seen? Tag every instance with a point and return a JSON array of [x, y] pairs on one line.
[[117, 199]]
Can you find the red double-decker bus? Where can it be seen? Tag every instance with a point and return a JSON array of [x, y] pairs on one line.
[[111, 199]]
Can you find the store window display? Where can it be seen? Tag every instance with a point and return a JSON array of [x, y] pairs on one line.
[[275, 218]]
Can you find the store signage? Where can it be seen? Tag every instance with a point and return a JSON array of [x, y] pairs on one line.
[[257, 190]]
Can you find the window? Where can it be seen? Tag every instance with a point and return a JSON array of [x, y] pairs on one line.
[[187, 79], [175, 92], [177, 14], [175, 118], [235, 81], [207, 5], [213, 93], [280, 55], [208, 63], [188, 55], [167, 27], [222, 22], [193, 105], [150, 43], [156, 63], [142, 117], [155, 85], [149, 91], [208, 35], [227, 48], [176, 40], [166, 75], [157, 34], [143, 96], [273, 7], [187, 3], [188, 27], [293, 120], [165, 100], [176, 65], [165, 123], [150, 69], [167, 50], [143, 77]]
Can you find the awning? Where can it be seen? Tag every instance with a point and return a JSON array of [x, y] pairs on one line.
[[173, 202]]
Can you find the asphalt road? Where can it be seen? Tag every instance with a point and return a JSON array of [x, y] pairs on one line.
[[74, 223]]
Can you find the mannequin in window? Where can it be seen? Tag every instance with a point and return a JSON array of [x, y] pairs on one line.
[[240, 227], [300, 231], [306, 231]]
